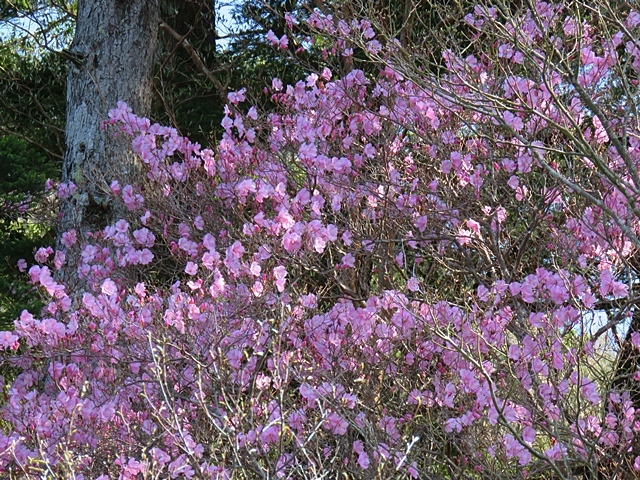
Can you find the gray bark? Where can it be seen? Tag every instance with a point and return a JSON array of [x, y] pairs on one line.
[[113, 54]]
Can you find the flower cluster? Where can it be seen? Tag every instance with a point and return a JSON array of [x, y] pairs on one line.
[[380, 273]]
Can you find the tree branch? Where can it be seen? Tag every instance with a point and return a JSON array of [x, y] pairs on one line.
[[182, 40]]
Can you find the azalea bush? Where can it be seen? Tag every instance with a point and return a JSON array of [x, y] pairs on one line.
[[388, 275]]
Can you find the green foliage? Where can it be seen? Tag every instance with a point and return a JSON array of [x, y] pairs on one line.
[[11, 8], [32, 99], [256, 61], [32, 106], [23, 172]]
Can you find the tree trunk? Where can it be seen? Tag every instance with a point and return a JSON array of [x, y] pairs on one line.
[[112, 59], [627, 364]]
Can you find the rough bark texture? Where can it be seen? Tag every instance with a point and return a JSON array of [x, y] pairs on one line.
[[113, 51]]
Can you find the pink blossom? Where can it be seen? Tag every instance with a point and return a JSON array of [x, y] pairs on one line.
[[43, 253], [226, 123], [453, 425], [115, 187], [363, 459], [239, 96], [108, 287], [50, 326], [348, 261], [236, 250], [336, 424], [252, 113], [308, 151], [258, 288], [284, 219], [590, 391], [9, 341], [245, 187], [606, 282], [513, 121], [69, 238], [280, 274], [270, 434], [601, 135], [276, 84], [271, 37], [191, 268], [209, 242], [59, 259], [413, 284], [66, 190], [632, 21], [131, 200], [450, 393], [188, 246], [525, 162], [410, 192], [619, 290], [308, 301], [470, 383], [529, 435], [235, 358], [309, 394], [146, 257], [291, 241], [474, 227], [556, 452], [145, 217], [509, 166], [122, 226], [180, 467], [283, 43], [47, 281], [144, 237], [369, 150], [374, 47]]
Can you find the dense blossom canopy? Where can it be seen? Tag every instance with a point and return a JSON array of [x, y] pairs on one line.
[[389, 274]]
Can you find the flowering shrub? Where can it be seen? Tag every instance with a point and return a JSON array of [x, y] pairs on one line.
[[389, 276]]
